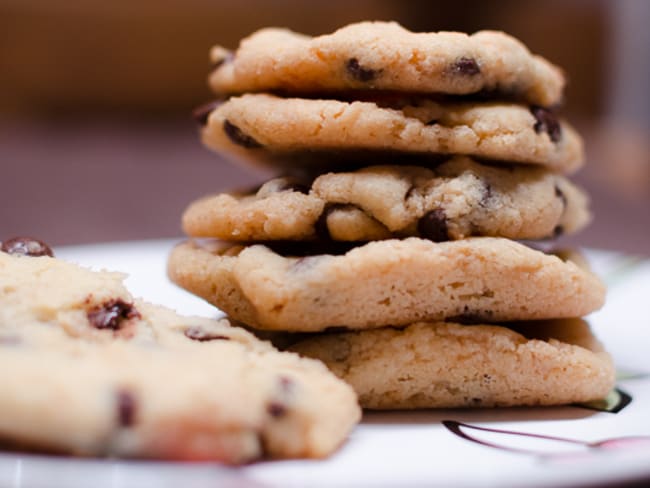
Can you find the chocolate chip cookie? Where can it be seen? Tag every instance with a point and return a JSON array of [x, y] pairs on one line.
[[446, 365], [301, 132], [456, 199], [88, 369], [385, 56], [384, 283]]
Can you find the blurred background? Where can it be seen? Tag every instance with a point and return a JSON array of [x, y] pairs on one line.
[[97, 142]]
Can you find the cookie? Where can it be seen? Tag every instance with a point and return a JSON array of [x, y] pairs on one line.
[[298, 131], [446, 365], [391, 282], [89, 370], [456, 199], [385, 56]]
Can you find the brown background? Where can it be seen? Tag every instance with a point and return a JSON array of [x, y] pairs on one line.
[[96, 142]]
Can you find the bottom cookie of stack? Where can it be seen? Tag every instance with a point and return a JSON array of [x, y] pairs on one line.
[[446, 365]]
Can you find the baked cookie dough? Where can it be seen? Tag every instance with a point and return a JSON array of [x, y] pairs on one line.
[[454, 200], [384, 283], [89, 370], [446, 365], [280, 131], [385, 56]]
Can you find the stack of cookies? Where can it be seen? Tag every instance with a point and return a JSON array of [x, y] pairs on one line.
[[416, 171]]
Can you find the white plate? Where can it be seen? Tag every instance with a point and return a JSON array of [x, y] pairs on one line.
[[408, 448]]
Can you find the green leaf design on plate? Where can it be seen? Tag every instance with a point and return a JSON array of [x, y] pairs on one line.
[[614, 402]]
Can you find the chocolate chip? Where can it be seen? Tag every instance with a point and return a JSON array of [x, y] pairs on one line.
[[276, 410], [112, 314], [360, 73], [466, 66], [200, 114], [198, 334], [26, 246], [547, 122], [126, 408], [284, 389], [238, 137], [433, 225]]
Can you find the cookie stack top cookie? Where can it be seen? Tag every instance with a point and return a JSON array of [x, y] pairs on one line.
[[375, 88]]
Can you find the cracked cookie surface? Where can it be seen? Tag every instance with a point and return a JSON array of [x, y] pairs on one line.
[[385, 56], [385, 283], [456, 199], [448, 365], [295, 131], [90, 370]]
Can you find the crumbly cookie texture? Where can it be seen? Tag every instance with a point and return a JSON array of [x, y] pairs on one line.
[[272, 130], [385, 56], [446, 365], [385, 283], [456, 199], [89, 370]]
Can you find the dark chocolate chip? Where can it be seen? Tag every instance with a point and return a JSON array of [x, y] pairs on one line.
[[200, 114], [360, 73], [547, 122], [112, 314], [238, 137], [276, 410], [126, 408], [198, 334], [26, 246], [433, 225], [466, 66]]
